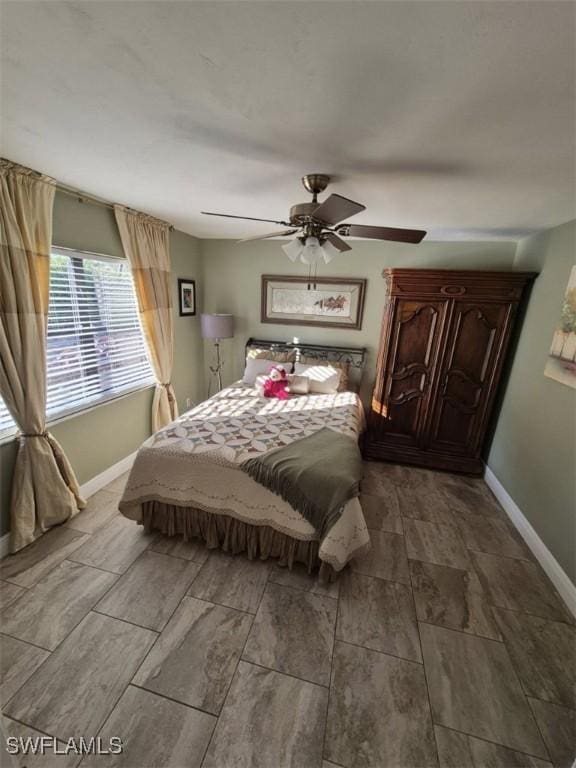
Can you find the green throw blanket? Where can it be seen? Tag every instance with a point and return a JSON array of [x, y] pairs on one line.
[[316, 475]]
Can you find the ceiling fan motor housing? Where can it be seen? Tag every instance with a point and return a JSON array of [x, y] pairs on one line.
[[301, 213]]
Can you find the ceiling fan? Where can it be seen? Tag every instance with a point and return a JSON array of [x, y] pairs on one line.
[[318, 226]]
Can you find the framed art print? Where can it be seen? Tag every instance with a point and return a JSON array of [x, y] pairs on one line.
[[334, 302], [187, 297], [561, 363]]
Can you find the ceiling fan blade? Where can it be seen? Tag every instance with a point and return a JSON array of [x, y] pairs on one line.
[[383, 233], [336, 241], [282, 233], [335, 208], [248, 218]]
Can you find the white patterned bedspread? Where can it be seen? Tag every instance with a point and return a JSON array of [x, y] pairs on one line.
[[195, 462]]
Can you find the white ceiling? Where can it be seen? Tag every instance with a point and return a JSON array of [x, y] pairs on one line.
[[455, 117]]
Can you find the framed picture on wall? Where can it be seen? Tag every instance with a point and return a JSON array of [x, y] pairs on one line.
[[187, 296], [333, 302], [561, 363]]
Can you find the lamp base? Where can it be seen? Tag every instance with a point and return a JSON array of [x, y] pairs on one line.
[[216, 370]]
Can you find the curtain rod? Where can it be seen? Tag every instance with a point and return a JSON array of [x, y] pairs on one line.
[[82, 196], [67, 190]]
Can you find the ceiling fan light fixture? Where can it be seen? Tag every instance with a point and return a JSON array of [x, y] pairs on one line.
[[328, 251], [293, 249], [312, 252]]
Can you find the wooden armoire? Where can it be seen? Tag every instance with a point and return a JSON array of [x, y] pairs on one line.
[[445, 335]]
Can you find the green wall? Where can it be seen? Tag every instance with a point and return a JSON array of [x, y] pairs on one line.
[[232, 284], [100, 437], [533, 452]]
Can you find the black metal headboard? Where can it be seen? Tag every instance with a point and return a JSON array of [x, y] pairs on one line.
[[354, 356]]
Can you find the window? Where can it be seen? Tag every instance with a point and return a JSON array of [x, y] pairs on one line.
[[95, 348], [6, 421]]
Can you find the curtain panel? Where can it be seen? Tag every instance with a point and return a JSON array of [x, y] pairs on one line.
[[145, 241], [44, 489]]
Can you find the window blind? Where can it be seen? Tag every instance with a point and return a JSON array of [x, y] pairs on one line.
[[6, 421], [95, 347]]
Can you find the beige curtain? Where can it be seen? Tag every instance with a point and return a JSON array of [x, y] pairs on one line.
[[146, 244], [44, 489]]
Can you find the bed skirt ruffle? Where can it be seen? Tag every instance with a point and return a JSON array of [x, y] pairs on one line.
[[220, 531]]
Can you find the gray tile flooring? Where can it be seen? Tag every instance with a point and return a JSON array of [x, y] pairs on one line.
[[445, 646]]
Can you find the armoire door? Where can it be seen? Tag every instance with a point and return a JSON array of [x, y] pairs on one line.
[[399, 408], [471, 363]]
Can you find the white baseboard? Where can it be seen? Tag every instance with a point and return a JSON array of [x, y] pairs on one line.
[[86, 490], [101, 481], [551, 566]]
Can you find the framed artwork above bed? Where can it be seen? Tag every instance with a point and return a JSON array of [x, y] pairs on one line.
[[333, 302]]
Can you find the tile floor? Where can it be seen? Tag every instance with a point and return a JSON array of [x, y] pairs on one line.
[[445, 646]]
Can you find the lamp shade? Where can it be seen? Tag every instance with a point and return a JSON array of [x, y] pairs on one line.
[[329, 251], [217, 326], [310, 250], [312, 253], [293, 250]]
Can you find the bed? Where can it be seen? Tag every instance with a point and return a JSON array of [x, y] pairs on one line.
[[187, 479]]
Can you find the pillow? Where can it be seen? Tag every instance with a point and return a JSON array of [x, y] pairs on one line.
[[259, 383], [298, 385], [344, 369], [269, 354], [256, 366], [323, 378]]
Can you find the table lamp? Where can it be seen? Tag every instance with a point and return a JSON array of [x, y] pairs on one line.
[[217, 327]]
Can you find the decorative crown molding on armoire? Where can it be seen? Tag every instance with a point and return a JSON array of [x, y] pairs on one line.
[[445, 336]]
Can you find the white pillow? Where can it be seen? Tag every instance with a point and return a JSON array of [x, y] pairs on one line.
[[255, 367], [298, 385], [259, 383], [324, 379]]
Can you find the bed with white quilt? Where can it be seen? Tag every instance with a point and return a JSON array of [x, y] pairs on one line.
[[190, 478]]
